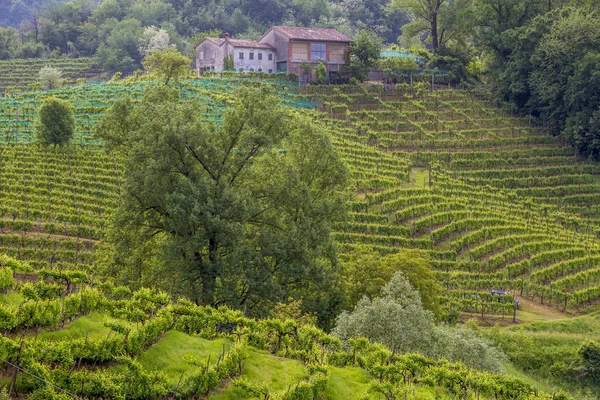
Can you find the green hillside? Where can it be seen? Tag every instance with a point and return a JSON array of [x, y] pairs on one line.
[[493, 202], [18, 74]]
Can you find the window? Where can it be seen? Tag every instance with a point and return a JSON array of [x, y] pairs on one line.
[[337, 52], [300, 50], [270, 57], [259, 55], [241, 55], [259, 69], [270, 71], [318, 51], [201, 55], [251, 57], [241, 69]]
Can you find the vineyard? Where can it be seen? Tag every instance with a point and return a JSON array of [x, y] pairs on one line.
[[18, 74], [495, 203], [91, 100]]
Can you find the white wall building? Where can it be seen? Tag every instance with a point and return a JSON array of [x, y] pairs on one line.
[[247, 55]]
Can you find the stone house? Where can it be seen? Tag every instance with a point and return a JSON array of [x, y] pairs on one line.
[[295, 46], [246, 55], [280, 49]]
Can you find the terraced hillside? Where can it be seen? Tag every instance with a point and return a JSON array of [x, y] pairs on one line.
[[497, 203], [54, 204], [420, 179], [19, 73], [18, 110]]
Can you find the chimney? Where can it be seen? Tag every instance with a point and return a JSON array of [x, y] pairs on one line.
[[226, 49]]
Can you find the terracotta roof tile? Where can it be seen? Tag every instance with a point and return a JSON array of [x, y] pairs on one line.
[[326, 35]]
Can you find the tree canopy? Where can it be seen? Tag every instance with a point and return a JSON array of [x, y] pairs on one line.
[[168, 63], [366, 272], [396, 319], [56, 123], [240, 211]]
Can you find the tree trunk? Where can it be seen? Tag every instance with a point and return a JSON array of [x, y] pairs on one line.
[[434, 32], [209, 273]]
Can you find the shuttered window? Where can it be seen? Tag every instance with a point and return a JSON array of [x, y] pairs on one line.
[[337, 52], [300, 51]]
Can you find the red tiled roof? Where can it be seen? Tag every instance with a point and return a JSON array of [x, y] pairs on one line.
[[322, 34], [240, 43]]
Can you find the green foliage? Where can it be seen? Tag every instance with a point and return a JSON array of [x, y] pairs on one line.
[[305, 71], [465, 346], [56, 123], [50, 78], [442, 20], [254, 188], [395, 319], [321, 73], [365, 51], [559, 89], [6, 279], [590, 355], [366, 273], [397, 63], [170, 64], [228, 63]]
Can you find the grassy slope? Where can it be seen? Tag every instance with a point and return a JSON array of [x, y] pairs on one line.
[[544, 353], [172, 353]]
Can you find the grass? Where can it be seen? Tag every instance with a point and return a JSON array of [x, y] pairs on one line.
[[545, 354], [540, 384], [262, 368], [586, 325], [347, 383], [91, 325], [11, 299], [419, 176], [170, 353]]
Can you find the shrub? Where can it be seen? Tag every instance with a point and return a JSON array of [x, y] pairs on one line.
[[321, 73], [56, 123], [50, 78]]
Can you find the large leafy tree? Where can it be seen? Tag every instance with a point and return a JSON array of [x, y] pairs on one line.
[[442, 20], [365, 52], [237, 212], [170, 64], [494, 17]]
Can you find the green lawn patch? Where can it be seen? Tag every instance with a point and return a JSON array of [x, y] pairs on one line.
[[12, 299], [347, 383], [170, 353], [260, 367], [91, 325]]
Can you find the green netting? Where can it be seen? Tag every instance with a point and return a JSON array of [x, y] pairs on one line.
[[90, 101], [402, 54]]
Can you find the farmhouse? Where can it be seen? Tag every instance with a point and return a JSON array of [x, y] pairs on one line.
[[280, 49], [211, 55]]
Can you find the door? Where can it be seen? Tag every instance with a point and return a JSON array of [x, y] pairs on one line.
[[282, 66]]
